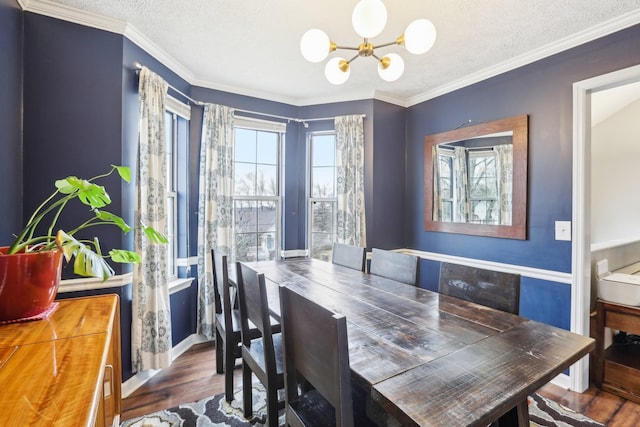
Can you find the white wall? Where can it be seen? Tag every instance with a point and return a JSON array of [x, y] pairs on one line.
[[615, 177]]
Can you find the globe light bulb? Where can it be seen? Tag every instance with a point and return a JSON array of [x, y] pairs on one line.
[[315, 45], [337, 70], [419, 36], [369, 18], [391, 67]]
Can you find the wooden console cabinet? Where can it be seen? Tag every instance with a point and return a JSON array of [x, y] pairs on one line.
[[617, 368], [63, 371]]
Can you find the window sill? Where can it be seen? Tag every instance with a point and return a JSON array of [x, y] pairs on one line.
[[179, 284]]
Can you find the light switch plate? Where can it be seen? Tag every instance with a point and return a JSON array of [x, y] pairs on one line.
[[563, 230]]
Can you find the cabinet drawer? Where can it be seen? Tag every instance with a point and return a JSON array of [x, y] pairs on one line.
[[623, 321], [622, 380]]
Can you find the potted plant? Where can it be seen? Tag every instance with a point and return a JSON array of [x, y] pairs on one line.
[[30, 268]]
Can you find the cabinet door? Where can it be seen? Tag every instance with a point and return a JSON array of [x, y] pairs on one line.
[[112, 382]]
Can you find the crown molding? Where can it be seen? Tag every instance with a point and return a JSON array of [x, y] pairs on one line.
[[624, 21], [69, 14], [66, 13]]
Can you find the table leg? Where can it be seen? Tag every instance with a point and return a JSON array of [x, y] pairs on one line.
[[518, 416]]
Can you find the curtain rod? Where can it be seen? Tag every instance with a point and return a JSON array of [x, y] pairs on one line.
[[139, 66]]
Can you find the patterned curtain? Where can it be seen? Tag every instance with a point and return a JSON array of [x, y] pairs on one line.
[[151, 323], [461, 211], [505, 181], [351, 226], [215, 205]]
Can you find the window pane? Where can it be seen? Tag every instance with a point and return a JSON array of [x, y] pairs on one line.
[[267, 151], [245, 145], [323, 182], [267, 246], [321, 245], [246, 245], [244, 179], [267, 183], [323, 150], [323, 216], [245, 216]]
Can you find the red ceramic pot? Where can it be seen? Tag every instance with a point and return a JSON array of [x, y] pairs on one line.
[[28, 282]]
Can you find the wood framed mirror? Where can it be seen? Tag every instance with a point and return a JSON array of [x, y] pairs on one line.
[[475, 179]]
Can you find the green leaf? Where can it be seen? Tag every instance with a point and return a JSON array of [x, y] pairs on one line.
[[87, 263], [94, 195], [123, 256], [124, 172], [154, 235], [67, 185], [114, 219]]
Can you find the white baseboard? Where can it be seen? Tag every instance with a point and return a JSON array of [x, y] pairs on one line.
[[139, 379], [563, 381]]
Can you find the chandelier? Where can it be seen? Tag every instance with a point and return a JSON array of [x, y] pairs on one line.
[[369, 18]]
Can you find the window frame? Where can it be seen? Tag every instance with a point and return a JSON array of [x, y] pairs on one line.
[[309, 190], [259, 125], [175, 109]]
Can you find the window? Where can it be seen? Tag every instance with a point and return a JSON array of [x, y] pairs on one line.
[[446, 183], [322, 194], [483, 187], [256, 188], [177, 117]]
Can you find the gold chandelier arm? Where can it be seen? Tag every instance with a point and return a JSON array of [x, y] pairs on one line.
[[351, 60], [344, 47], [399, 40]]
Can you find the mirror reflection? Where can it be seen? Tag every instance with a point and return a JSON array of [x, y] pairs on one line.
[[473, 180]]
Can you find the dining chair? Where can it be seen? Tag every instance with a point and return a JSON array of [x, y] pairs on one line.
[[395, 266], [261, 356], [493, 289], [227, 323], [348, 256], [316, 354]]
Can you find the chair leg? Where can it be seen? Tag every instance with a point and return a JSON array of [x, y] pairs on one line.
[[272, 406], [229, 363], [247, 391], [219, 353]]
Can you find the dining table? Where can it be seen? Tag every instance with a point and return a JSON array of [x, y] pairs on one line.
[[426, 359]]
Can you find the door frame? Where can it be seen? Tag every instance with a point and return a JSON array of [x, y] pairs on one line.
[[581, 210]]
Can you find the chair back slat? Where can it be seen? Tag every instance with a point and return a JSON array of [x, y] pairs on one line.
[[493, 289], [253, 302], [316, 347], [222, 291], [348, 256], [395, 266]]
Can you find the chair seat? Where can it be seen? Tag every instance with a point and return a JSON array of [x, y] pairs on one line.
[[256, 350], [314, 410]]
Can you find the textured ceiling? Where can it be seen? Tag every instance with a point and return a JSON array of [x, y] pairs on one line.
[[252, 46]]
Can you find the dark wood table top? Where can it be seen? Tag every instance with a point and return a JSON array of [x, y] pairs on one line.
[[429, 359]]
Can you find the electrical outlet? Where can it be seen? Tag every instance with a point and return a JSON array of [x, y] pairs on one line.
[[563, 230]]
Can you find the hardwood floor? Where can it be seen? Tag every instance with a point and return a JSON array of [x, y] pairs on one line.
[[193, 377]]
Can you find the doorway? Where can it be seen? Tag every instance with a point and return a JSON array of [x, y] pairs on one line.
[[581, 202]]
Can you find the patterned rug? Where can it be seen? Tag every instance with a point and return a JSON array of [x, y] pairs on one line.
[[216, 412]]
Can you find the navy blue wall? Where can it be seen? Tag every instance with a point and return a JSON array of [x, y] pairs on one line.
[[543, 90], [72, 113], [10, 119]]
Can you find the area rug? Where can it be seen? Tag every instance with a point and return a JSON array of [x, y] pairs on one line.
[[216, 412], [544, 412]]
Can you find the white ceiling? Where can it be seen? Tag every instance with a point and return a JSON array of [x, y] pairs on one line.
[[251, 47]]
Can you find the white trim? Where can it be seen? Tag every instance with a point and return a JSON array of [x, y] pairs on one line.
[[179, 284], [93, 283], [139, 379], [294, 253], [178, 107], [259, 124], [66, 13], [595, 247], [187, 262], [581, 197], [534, 273]]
